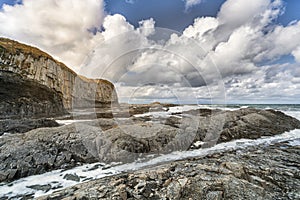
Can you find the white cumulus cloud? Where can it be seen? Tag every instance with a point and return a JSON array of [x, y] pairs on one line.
[[63, 28]]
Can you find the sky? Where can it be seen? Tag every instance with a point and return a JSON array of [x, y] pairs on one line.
[[179, 51]]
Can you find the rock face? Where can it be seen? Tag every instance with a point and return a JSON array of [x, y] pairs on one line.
[[261, 172], [108, 140], [22, 97], [34, 84]]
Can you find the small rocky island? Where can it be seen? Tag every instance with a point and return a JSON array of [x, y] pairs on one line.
[[37, 91]]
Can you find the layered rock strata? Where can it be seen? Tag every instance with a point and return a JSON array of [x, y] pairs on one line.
[[34, 84]]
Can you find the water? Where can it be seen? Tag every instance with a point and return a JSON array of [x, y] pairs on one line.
[[280, 107], [89, 171]]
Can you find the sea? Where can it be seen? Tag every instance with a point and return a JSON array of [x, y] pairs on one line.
[[93, 171]]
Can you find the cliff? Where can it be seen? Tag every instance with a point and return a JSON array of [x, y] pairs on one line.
[[35, 84]]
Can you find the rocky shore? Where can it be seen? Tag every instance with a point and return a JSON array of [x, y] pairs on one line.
[[125, 140], [260, 172]]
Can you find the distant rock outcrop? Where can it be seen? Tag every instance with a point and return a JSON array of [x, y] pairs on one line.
[[33, 84]]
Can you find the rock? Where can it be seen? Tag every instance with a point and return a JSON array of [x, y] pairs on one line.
[[253, 123], [24, 125], [217, 126], [72, 177], [46, 149], [261, 172], [33, 84], [44, 188], [128, 110], [224, 126], [128, 142], [108, 140], [21, 97]]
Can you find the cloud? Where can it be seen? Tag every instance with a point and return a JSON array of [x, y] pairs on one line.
[[235, 13], [212, 49], [296, 54], [279, 82], [228, 51], [283, 41], [64, 28], [130, 1], [191, 3]]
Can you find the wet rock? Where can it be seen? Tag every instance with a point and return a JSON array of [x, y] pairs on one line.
[[44, 188], [72, 177]]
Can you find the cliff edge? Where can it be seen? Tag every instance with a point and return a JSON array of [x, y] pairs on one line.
[[34, 84]]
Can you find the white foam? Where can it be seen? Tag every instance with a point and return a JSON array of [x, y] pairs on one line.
[[55, 178], [167, 113], [67, 122], [295, 114]]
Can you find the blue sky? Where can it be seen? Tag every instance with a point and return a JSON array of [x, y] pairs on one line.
[[250, 48], [172, 14]]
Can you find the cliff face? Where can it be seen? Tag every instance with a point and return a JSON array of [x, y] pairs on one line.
[[33, 83]]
